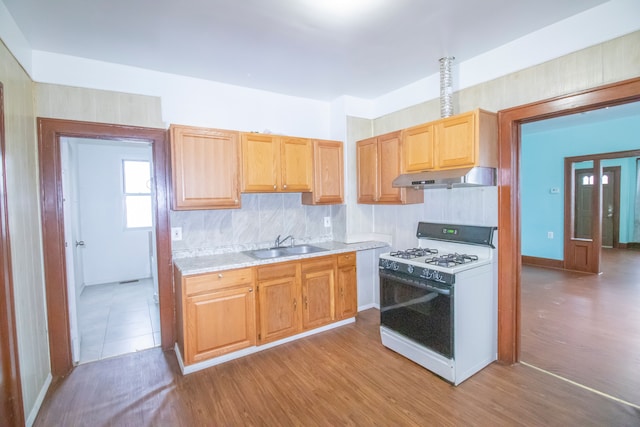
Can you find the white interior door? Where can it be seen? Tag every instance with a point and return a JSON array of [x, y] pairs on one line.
[[70, 250]]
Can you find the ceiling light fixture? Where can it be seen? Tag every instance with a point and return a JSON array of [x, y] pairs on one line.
[[345, 8]]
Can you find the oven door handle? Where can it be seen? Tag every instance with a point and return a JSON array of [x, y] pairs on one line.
[[415, 283]]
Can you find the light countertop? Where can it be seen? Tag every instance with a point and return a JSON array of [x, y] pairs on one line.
[[210, 263]]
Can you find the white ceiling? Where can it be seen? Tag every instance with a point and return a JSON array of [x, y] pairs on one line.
[[285, 46]]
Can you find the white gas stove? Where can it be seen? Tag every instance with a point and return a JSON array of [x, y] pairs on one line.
[[438, 301]]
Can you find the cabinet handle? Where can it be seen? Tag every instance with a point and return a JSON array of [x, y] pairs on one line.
[[220, 275], [295, 304], [306, 303], [341, 292]]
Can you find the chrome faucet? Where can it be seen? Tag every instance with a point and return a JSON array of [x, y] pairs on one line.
[[279, 242]]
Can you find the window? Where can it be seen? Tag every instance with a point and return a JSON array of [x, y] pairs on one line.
[[137, 193], [588, 180]]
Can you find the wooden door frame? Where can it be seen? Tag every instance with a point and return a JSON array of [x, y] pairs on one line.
[[11, 409], [509, 254], [50, 131]]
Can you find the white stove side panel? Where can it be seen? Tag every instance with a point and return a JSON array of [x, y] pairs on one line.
[[475, 337]]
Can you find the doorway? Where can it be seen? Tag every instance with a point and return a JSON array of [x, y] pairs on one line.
[[110, 251], [50, 133], [509, 255]]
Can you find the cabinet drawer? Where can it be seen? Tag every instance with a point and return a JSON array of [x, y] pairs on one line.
[[285, 269], [217, 280], [320, 263], [346, 259]]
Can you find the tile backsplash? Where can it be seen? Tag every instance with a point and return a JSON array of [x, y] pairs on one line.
[[257, 224]]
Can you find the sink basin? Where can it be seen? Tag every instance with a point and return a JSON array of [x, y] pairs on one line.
[[303, 249], [284, 251], [268, 253]]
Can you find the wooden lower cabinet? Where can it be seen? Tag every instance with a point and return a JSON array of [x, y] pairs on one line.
[[278, 301], [347, 287], [318, 291], [222, 312], [216, 314]]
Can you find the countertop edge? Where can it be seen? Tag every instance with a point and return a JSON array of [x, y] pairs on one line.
[[207, 264]]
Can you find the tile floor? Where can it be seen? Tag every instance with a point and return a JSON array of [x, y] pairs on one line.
[[116, 319]]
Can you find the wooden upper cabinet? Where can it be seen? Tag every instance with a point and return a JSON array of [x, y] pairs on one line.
[[461, 141], [272, 163], [328, 174], [457, 142], [260, 162], [367, 158], [379, 163], [418, 148], [296, 164], [205, 166]]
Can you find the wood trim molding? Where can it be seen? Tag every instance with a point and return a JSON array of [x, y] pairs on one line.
[[542, 262], [11, 406], [509, 255], [49, 133]]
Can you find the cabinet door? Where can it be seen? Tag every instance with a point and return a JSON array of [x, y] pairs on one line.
[[318, 296], [328, 174], [347, 286], [296, 164], [417, 144], [205, 165], [367, 157], [389, 167], [278, 301], [260, 163], [347, 296], [219, 322], [456, 142]]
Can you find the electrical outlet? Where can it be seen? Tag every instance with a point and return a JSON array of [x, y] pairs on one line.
[[176, 233], [549, 234], [327, 221]]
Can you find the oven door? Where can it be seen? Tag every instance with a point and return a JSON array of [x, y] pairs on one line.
[[419, 309]]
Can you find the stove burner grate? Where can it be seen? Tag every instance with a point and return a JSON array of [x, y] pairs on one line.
[[451, 260], [413, 253]]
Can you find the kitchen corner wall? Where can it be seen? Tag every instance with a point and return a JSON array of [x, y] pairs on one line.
[[257, 224], [608, 62]]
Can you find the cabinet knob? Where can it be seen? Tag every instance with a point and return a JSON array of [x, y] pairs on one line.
[[235, 201], [250, 289], [284, 186], [274, 187], [220, 275]]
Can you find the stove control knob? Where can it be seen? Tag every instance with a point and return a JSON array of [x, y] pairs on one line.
[[437, 276], [395, 265], [410, 268]]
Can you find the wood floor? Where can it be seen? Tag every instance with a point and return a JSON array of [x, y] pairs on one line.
[[343, 377], [586, 327]]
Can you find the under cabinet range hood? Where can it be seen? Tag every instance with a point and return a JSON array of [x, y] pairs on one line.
[[464, 177]]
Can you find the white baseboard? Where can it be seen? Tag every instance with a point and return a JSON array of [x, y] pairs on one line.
[[251, 350], [368, 306], [38, 403]]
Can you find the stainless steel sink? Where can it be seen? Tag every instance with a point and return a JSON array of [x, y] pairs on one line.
[[304, 249], [284, 251], [268, 253]]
